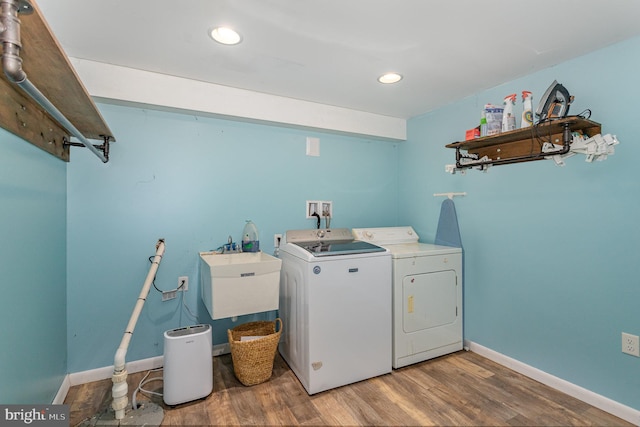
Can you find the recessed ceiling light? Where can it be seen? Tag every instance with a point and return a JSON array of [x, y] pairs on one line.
[[390, 78], [225, 35]]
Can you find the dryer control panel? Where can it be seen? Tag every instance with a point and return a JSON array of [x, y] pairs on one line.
[[386, 235]]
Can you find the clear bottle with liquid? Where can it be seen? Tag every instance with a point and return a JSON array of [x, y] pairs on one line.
[[250, 239], [483, 123]]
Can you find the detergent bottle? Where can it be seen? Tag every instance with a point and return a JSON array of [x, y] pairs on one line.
[[508, 119], [527, 112], [250, 241]]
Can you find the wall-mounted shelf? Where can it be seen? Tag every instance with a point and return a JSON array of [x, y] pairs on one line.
[[49, 69], [521, 145]]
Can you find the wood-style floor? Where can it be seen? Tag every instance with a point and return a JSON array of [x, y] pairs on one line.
[[461, 389]]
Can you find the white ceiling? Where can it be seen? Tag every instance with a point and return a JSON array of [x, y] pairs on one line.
[[332, 51]]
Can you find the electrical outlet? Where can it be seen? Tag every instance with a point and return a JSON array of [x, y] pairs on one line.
[[277, 238], [630, 344], [185, 286]]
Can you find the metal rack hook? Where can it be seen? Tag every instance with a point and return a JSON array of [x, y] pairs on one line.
[[104, 147], [449, 195]]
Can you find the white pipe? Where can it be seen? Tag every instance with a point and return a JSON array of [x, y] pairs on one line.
[[120, 389], [449, 195]]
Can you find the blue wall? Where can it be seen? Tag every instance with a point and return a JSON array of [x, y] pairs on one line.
[[551, 252], [33, 256], [194, 181], [551, 274]]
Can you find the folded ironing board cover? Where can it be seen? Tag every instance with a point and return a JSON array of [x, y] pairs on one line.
[[448, 232]]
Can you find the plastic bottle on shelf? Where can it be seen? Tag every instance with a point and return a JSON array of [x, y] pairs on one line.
[[483, 124], [250, 240], [527, 112], [508, 118], [493, 116]]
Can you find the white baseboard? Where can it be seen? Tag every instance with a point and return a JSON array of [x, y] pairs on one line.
[[105, 372], [220, 349], [62, 392], [78, 378], [611, 406]]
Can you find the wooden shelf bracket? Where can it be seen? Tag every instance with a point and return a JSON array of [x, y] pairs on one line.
[[50, 135]]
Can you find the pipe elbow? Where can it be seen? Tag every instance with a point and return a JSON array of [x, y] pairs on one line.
[[11, 61], [12, 65], [119, 359]]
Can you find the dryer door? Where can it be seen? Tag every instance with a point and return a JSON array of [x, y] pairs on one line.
[[429, 300]]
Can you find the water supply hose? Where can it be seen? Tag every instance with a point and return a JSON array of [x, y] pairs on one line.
[[318, 218]]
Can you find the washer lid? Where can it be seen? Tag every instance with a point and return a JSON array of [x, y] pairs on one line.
[[344, 247], [329, 242]]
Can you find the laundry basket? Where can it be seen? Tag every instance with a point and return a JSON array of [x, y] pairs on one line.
[[253, 358]]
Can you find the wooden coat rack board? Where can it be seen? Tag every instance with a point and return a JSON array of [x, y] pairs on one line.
[[49, 69]]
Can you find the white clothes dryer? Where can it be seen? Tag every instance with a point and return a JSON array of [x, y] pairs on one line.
[[427, 294]]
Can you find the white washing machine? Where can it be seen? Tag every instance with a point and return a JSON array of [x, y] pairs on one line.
[[335, 306], [427, 294]]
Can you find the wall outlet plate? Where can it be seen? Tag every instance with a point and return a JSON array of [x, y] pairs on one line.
[[313, 146], [184, 287], [168, 295], [630, 344]]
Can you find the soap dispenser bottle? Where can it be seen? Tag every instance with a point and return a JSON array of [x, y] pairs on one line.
[[250, 240]]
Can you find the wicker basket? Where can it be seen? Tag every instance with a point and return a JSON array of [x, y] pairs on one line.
[[253, 360]]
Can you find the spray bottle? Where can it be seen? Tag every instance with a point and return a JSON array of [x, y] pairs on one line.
[[527, 113], [508, 119]]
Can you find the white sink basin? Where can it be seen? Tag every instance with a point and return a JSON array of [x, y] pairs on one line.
[[235, 284]]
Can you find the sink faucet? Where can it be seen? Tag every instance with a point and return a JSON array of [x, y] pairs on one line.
[[230, 246]]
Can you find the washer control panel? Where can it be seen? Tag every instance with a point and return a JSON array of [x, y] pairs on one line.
[[320, 234]]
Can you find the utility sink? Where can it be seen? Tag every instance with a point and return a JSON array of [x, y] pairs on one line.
[[235, 284]]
